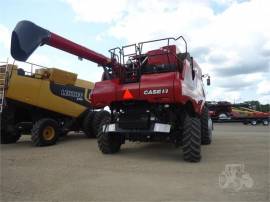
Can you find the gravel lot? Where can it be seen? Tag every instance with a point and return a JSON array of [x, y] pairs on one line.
[[75, 170]]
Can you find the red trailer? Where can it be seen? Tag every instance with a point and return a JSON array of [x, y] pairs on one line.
[[227, 112]]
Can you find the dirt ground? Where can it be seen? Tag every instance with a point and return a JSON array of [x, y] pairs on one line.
[[234, 168]]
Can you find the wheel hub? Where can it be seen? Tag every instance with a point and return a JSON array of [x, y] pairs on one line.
[[48, 133]]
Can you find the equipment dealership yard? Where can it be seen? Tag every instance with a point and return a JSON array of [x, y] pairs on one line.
[[75, 170]]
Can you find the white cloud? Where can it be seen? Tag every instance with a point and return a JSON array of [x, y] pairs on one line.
[[98, 11], [4, 36], [35, 59], [218, 94], [231, 44], [264, 87], [265, 99]]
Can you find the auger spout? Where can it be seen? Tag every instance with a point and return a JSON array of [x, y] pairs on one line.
[[27, 37]]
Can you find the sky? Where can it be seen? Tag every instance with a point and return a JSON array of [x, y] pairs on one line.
[[230, 39]]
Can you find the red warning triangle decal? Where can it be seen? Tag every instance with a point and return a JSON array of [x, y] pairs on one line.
[[127, 95]]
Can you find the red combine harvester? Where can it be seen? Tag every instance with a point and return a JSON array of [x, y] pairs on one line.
[[156, 95]]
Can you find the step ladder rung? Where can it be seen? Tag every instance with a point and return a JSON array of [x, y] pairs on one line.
[[3, 73]]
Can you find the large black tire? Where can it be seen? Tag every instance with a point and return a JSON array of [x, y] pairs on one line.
[[206, 127], [9, 134], [97, 119], [10, 137], [45, 132], [192, 139], [253, 122], [108, 143], [87, 124], [265, 122]]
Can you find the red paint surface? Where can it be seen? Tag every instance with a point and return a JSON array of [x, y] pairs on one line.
[[182, 88], [76, 49]]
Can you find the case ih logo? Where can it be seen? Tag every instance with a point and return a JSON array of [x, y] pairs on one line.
[[156, 91]]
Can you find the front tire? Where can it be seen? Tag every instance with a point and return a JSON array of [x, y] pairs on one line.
[[206, 127], [253, 122], [97, 120], [87, 124], [107, 143], [9, 133], [45, 132], [265, 122], [10, 137], [192, 139]]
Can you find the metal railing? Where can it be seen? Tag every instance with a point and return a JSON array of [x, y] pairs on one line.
[[3, 81], [5, 75]]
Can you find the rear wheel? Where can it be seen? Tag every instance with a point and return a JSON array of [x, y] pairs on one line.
[[223, 116], [9, 134], [192, 139], [87, 124], [253, 122], [206, 127], [265, 122], [97, 119], [107, 143], [45, 132], [10, 137]]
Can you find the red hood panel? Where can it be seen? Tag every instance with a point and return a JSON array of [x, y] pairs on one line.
[[157, 87], [154, 88]]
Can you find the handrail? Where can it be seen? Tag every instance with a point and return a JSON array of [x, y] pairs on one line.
[[140, 45]]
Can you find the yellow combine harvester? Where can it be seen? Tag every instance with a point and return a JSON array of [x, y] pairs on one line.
[[47, 103]]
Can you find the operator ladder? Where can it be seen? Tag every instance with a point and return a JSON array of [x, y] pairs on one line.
[[3, 72]]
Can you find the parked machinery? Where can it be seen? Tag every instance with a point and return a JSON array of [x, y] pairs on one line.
[[228, 112], [157, 95], [47, 103], [250, 116]]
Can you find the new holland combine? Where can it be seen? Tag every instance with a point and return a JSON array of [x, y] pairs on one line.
[[155, 95], [46, 103]]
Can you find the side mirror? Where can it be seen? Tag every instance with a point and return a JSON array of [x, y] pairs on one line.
[[208, 81]]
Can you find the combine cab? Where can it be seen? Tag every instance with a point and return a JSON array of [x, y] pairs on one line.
[[153, 95], [47, 103]]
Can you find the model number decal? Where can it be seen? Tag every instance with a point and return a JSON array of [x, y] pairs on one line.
[[69, 93], [156, 91]]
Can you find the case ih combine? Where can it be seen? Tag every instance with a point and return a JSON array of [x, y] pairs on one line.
[[156, 95]]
